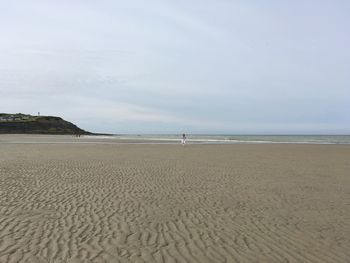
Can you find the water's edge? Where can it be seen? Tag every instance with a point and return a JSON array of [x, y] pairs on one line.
[[237, 139]]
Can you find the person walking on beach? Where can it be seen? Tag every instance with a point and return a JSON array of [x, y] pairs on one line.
[[183, 141]]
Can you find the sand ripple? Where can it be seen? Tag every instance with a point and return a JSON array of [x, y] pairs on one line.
[[166, 203]]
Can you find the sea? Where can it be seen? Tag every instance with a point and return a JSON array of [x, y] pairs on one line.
[[239, 139]]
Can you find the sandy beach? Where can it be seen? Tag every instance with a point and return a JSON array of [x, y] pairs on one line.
[[65, 199]]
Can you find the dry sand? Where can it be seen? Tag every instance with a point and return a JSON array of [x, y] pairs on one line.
[[69, 202]]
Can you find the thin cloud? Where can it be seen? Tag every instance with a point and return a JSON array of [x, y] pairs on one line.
[[205, 66]]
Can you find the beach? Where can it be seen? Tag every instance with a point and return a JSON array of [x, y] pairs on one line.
[[67, 199]]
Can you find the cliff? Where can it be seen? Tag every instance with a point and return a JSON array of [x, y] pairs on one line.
[[23, 123]]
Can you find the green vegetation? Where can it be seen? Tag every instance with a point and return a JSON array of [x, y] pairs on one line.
[[25, 123]]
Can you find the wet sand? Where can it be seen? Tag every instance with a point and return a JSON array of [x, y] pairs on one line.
[[80, 200]]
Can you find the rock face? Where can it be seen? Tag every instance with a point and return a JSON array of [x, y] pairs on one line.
[[37, 125]]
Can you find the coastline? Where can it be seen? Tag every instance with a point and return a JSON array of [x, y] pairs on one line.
[[70, 201], [173, 139]]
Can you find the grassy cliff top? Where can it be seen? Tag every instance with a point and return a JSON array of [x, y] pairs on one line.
[[25, 123]]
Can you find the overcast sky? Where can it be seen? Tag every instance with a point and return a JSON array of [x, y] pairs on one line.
[[199, 66]]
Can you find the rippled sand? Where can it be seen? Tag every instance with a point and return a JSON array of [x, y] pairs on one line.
[[86, 202]]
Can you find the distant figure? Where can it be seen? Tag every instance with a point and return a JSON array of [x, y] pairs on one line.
[[183, 141]]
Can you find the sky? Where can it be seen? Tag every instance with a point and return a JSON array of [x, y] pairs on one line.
[[173, 66]]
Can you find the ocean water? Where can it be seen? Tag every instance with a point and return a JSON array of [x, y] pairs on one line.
[[232, 139]]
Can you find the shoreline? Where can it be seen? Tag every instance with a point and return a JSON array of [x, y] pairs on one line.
[[119, 139]]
